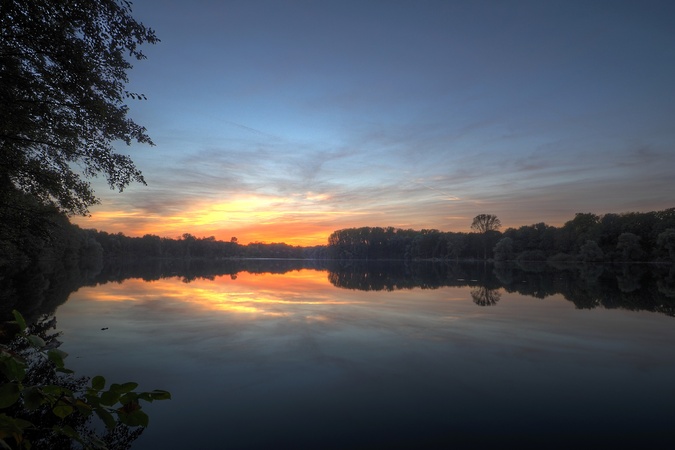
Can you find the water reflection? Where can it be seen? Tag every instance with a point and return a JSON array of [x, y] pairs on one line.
[[270, 360], [634, 287], [271, 354], [482, 296], [246, 293]]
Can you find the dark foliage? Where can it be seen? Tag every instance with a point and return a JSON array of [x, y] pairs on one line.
[[628, 237], [40, 373], [63, 72]]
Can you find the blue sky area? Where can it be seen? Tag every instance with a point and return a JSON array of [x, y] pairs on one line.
[[286, 120]]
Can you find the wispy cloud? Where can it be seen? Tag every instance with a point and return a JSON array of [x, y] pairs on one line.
[[290, 125]]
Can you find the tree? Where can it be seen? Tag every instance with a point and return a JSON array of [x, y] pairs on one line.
[[666, 242], [484, 296], [483, 223], [63, 68], [629, 248], [456, 243], [591, 252], [503, 250]]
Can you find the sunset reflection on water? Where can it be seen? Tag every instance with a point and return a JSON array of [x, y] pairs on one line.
[[292, 352], [245, 293]]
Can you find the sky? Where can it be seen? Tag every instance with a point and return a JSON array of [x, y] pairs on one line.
[[283, 121]]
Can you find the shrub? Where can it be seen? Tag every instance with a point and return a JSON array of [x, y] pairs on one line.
[[43, 405]]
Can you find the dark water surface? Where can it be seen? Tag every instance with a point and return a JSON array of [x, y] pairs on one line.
[[386, 357]]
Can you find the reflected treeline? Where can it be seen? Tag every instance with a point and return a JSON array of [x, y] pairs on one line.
[[637, 287], [192, 269], [393, 275], [40, 289]]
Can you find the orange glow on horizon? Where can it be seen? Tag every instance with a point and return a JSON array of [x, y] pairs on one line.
[[246, 294], [302, 221], [305, 219]]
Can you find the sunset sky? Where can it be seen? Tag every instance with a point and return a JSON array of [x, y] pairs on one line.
[[282, 121]]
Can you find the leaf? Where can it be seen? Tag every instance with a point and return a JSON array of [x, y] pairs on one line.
[[128, 387], [12, 368], [159, 394], [62, 410], [98, 382], [128, 408], [68, 431], [146, 396], [129, 397], [96, 443], [57, 356], [122, 388], [156, 394], [36, 341], [19, 320], [109, 398], [106, 417], [9, 426], [135, 419], [53, 390], [13, 425], [92, 399], [32, 398], [9, 394], [83, 408]]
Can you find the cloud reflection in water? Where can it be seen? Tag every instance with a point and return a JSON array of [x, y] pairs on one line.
[[311, 364], [256, 294]]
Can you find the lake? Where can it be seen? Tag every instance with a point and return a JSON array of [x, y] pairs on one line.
[[390, 355]]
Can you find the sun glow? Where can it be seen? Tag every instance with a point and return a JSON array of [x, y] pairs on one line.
[[297, 293], [302, 219]]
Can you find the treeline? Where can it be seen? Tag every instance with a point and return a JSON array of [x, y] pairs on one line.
[[71, 244], [188, 246], [626, 237], [32, 233]]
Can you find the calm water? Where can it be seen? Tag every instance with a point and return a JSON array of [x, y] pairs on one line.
[[317, 359]]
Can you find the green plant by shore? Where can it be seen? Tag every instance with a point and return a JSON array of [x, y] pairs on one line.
[[44, 405]]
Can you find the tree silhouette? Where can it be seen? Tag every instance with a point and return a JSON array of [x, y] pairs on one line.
[[591, 252], [484, 296], [629, 248], [62, 92], [503, 250], [484, 224], [666, 242]]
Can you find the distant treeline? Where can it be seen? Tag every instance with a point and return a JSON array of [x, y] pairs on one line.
[[189, 246], [31, 232], [71, 244], [627, 237]]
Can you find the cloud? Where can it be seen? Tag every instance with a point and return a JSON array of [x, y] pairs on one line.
[[415, 117]]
